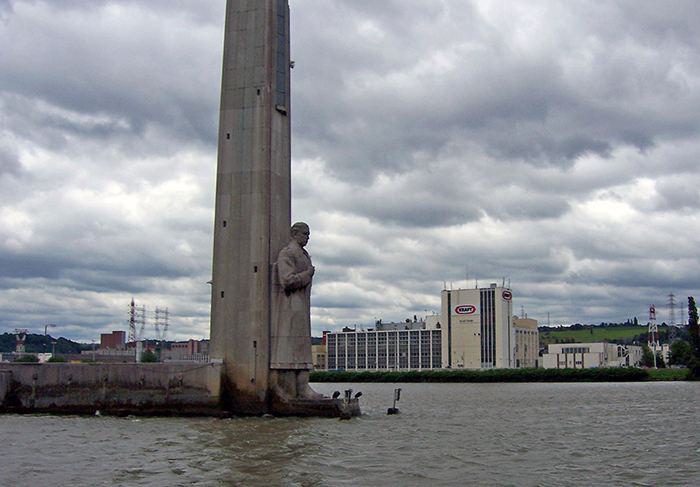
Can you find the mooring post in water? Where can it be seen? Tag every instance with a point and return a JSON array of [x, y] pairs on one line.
[[397, 396]]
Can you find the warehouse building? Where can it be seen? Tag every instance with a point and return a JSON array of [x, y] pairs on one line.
[[591, 355]]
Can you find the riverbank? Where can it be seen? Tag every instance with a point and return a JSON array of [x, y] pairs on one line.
[[668, 374], [627, 374]]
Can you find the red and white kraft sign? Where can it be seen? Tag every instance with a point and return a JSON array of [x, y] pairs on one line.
[[507, 295], [465, 309]]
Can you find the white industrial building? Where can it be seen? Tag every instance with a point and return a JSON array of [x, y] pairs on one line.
[[475, 330], [479, 328], [390, 346], [591, 355]]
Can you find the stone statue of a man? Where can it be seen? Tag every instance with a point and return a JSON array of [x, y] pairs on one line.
[[290, 359]]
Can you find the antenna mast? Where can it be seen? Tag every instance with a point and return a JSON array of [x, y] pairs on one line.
[[137, 316], [672, 317], [161, 322], [653, 339]]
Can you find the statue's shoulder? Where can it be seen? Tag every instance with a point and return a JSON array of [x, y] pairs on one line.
[[292, 249]]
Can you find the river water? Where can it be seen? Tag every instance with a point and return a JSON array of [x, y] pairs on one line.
[[446, 434]]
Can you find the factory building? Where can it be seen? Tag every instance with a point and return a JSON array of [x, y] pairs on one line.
[[478, 327], [475, 330], [591, 355], [388, 346]]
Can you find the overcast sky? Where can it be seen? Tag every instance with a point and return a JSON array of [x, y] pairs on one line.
[[551, 143]]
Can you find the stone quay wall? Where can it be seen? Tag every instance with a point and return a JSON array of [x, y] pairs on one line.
[[120, 389]]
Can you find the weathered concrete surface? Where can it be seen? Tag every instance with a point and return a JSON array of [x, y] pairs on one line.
[[253, 208], [142, 389], [5, 378], [145, 389], [240, 403], [253, 193], [328, 407]]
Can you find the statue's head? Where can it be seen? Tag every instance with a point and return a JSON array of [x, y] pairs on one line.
[[300, 233]]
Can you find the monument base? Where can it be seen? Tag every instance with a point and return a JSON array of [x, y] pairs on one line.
[[326, 407], [145, 390], [113, 389], [240, 402]]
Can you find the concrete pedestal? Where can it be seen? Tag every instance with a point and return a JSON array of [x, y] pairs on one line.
[[118, 389]]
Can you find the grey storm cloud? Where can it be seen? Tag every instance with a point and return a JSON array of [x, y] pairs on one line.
[[102, 73], [9, 162], [550, 143], [678, 192], [595, 89]]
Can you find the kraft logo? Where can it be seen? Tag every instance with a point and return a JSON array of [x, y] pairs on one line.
[[465, 309], [507, 295]]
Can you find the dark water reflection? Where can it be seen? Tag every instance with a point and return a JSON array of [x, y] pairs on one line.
[[447, 434]]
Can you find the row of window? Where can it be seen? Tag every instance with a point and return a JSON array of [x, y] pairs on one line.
[[575, 350], [488, 328]]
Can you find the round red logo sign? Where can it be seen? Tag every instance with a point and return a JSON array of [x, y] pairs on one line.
[[465, 309], [507, 295]]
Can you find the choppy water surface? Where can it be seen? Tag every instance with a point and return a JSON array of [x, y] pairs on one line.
[[446, 434]]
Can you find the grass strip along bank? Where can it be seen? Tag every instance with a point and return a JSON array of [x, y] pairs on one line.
[[669, 374], [627, 374]]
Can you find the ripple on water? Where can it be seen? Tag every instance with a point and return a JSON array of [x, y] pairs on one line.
[[447, 434]]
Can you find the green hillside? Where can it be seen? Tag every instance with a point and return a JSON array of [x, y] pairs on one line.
[[616, 334], [41, 344]]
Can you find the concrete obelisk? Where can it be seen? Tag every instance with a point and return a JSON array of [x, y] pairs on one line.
[[253, 195]]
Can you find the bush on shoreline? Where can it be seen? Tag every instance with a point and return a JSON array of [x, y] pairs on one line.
[[627, 374]]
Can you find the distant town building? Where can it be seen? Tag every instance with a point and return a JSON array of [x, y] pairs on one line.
[[319, 354], [591, 355], [113, 341], [105, 355], [189, 351]]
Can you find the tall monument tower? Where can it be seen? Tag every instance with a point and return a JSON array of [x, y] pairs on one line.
[[253, 194]]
